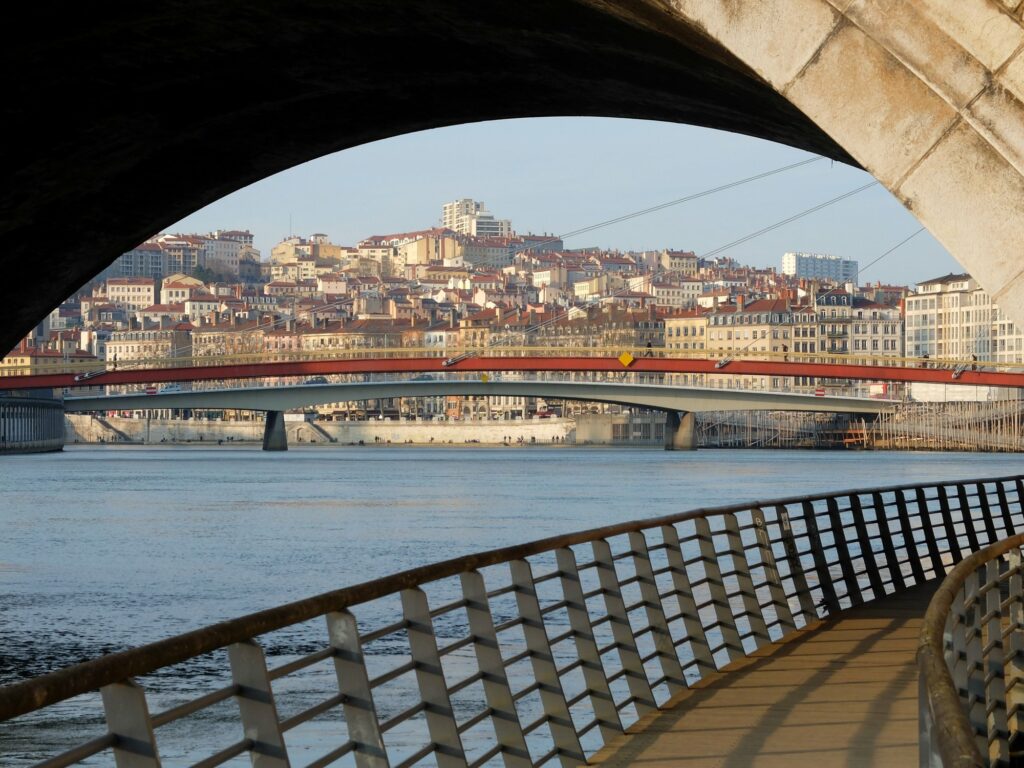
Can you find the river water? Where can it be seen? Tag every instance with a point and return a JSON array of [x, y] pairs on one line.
[[104, 548]]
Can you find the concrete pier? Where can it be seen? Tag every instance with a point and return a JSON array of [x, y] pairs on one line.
[[274, 436], [31, 424], [680, 431]]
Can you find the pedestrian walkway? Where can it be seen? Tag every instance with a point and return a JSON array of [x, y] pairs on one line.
[[841, 693]]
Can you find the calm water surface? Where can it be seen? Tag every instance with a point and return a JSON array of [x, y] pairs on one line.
[[105, 548]]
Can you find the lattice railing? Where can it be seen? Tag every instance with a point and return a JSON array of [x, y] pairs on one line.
[[971, 662], [520, 656]]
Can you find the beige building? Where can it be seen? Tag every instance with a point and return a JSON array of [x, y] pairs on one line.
[[131, 293], [686, 332], [30, 361], [767, 329], [953, 318], [289, 249], [229, 339], [149, 344], [178, 288], [679, 262]]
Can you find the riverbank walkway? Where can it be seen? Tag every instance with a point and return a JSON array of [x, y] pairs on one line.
[[842, 692]]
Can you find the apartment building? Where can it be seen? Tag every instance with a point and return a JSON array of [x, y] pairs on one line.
[[131, 293], [952, 317]]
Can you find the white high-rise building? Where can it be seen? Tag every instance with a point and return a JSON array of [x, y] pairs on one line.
[[469, 217], [819, 266], [953, 317]]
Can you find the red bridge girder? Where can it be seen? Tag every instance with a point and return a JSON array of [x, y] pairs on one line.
[[497, 364]]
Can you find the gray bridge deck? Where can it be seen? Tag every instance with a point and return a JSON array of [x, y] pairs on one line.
[[840, 693]]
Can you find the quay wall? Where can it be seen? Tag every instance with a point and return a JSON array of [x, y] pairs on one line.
[[86, 428], [31, 424]]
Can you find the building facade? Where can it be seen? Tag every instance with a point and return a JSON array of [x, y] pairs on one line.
[[818, 266], [953, 318], [469, 217]]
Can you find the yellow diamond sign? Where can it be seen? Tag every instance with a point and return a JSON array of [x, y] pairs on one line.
[[484, 378], [626, 359]]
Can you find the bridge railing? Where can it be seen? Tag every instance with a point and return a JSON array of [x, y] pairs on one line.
[[527, 655], [971, 662], [496, 351]]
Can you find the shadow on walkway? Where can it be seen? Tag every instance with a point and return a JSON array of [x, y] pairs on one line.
[[842, 693]]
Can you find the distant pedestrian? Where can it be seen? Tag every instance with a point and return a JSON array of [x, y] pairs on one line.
[[650, 350], [974, 362], [925, 358], [785, 353]]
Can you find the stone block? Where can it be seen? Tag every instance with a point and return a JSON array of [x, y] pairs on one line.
[[999, 116], [913, 38], [972, 200], [775, 38], [981, 27], [870, 103]]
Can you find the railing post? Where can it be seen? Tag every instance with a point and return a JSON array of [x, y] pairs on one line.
[[801, 588], [967, 514], [986, 512], [947, 522], [745, 583], [507, 728], [829, 599], [670, 666], [1004, 509], [1019, 485], [354, 685], [128, 720], [441, 723], [886, 536], [552, 697], [835, 522], [1014, 660], [912, 545], [867, 550], [974, 671], [594, 675], [994, 681], [622, 630], [256, 705], [927, 754], [772, 577], [687, 605], [725, 622]]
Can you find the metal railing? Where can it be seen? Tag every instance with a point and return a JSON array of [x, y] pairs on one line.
[[525, 655], [636, 347], [971, 662]]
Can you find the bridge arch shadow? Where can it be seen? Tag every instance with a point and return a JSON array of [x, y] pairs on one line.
[[926, 100]]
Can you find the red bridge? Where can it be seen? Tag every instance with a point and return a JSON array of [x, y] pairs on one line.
[[956, 373]]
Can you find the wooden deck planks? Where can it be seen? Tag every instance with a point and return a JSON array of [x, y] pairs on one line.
[[841, 693]]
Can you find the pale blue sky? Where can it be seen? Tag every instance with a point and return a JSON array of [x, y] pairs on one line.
[[560, 174]]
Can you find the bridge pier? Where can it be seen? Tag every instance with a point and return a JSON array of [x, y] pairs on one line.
[[680, 431], [274, 436]]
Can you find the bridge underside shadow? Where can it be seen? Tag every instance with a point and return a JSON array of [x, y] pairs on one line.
[[927, 96], [680, 431], [842, 692], [90, 130]]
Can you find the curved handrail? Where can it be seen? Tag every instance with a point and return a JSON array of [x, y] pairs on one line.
[[29, 695], [953, 734]]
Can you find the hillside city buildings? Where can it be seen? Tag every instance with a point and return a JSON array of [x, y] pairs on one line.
[[473, 284]]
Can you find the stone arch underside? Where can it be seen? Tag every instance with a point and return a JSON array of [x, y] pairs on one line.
[[122, 121], [925, 94]]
